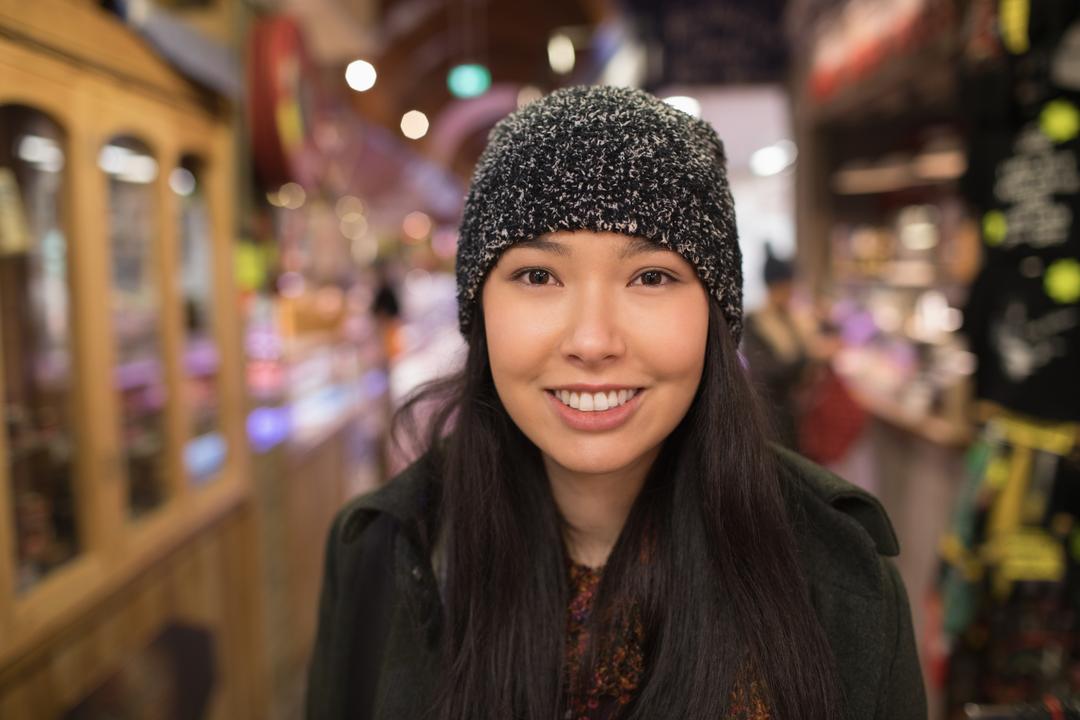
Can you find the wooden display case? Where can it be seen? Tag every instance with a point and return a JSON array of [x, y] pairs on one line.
[[188, 556]]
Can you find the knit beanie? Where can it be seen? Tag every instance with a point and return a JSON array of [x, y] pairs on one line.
[[603, 159]]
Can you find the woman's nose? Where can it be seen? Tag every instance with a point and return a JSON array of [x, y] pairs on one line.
[[593, 331]]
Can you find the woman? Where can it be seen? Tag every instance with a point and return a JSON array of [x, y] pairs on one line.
[[552, 556]]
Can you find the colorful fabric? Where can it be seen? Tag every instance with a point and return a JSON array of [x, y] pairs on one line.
[[1010, 581], [621, 663]]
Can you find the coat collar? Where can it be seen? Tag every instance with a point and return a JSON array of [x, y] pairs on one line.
[[842, 496], [406, 498]]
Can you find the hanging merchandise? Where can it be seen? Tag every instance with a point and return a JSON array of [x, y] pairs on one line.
[[1010, 581], [1023, 314], [1024, 328]]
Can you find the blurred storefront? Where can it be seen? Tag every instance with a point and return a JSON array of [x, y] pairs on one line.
[[222, 269], [125, 482], [937, 193], [319, 370], [889, 247]]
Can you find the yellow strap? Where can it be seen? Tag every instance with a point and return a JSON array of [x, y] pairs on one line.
[[1059, 438], [1014, 16], [1007, 511]]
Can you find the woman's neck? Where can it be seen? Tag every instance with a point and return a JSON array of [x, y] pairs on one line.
[[595, 506]]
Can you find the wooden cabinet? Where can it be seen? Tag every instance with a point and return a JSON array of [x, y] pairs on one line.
[[124, 475]]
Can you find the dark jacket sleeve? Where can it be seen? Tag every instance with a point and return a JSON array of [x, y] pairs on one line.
[[356, 600], [318, 704], [903, 696]]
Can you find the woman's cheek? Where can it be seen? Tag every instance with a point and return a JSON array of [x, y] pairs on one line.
[[673, 340]]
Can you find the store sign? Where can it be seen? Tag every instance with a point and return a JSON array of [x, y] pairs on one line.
[[283, 101]]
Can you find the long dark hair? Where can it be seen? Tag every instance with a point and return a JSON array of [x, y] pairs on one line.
[[707, 557]]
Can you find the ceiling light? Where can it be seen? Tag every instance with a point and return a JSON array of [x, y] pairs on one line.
[[773, 159], [182, 181], [348, 205], [360, 75], [291, 195], [414, 124], [416, 225], [687, 104], [127, 165], [561, 53], [469, 80], [354, 226], [41, 151], [528, 94]]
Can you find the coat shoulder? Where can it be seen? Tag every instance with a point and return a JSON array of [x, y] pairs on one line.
[[409, 498], [846, 543], [809, 482]]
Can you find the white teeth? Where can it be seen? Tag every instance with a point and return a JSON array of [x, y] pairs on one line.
[[594, 402]]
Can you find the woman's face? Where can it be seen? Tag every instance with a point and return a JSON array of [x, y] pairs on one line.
[[570, 315]]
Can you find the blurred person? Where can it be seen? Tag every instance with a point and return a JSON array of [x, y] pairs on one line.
[[776, 351], [599, 528], [386, 309]]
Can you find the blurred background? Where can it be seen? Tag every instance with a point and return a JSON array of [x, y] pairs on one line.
[[227, 232]]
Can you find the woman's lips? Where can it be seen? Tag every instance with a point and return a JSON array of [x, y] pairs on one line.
[[596, 420]]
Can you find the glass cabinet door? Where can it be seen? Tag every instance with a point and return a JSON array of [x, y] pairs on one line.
[[37, 383], [139, 375], [205, 450]]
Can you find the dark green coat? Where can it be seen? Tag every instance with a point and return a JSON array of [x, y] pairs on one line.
[[379, 587]]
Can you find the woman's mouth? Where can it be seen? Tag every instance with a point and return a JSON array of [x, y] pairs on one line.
[[595, 402], [595, 412]]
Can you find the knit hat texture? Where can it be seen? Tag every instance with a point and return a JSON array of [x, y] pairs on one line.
[[603, 159]]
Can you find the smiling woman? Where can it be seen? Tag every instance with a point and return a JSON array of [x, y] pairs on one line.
[[593, 327], [600, 528]]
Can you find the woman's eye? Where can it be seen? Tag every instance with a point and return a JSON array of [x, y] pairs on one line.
[[654, 278], [535, 276]]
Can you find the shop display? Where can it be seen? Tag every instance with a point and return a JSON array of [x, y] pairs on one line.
[[136, 310], [206, 451], [36, 385], [1024, 180], [898, 292], [1008, 585]]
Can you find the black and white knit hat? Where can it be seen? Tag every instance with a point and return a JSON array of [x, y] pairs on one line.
[[604, 159]]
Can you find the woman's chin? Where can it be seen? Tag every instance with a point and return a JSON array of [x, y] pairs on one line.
[[593, 461]]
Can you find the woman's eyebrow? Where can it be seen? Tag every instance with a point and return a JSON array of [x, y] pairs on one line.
[[635, 246], [544, 245], [640, 246]]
